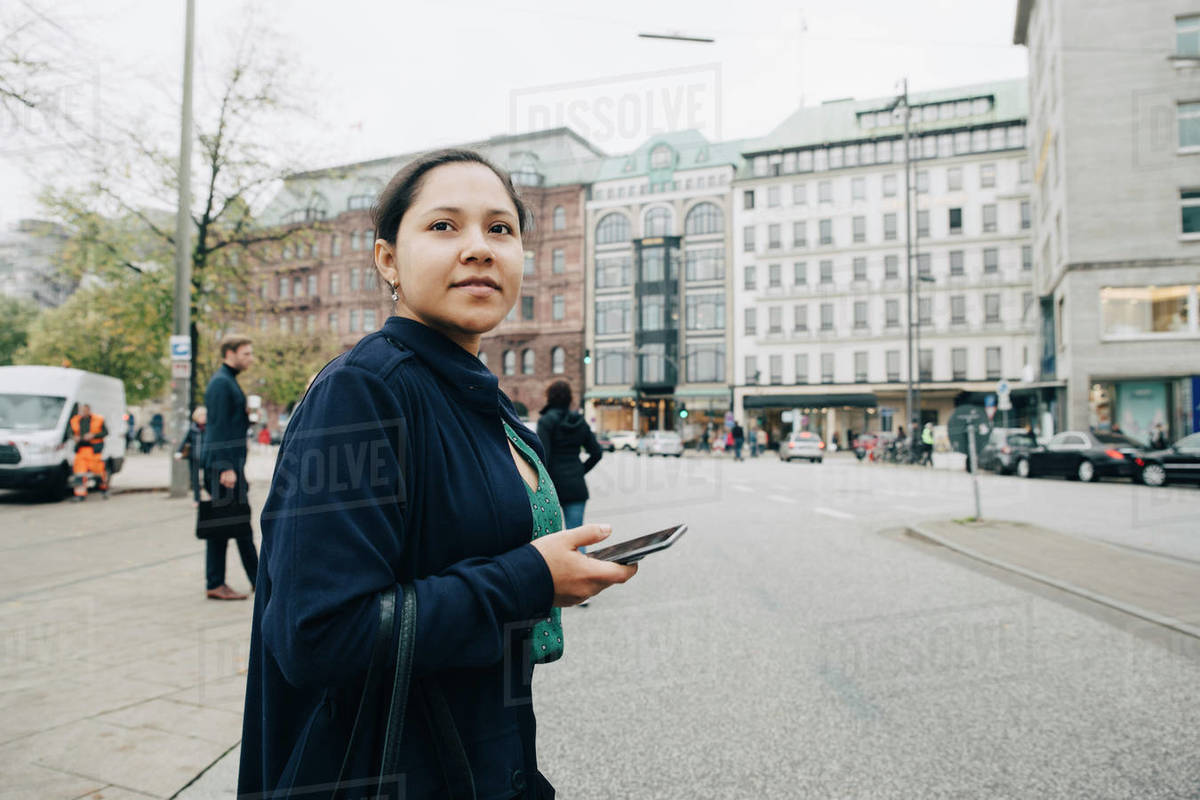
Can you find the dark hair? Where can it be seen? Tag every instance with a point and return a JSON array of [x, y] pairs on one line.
[[558, 394], [397, 197], [232, 343]]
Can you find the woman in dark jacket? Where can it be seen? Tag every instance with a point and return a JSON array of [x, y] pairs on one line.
[[405, 465], [192, 446], [564, 433]]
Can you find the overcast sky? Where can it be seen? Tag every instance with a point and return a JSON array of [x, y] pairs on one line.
[[384, 78]]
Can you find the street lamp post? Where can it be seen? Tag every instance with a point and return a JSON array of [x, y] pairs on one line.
[[911, 410]]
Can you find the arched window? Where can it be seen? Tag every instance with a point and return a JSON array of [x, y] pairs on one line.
[[510, 362], [527, 362], [560, 218], [558, 361], [612, 228], [703, 218], [658, 222]]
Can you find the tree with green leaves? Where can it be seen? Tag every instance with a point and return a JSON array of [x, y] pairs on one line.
[[285, 364], [18, 315]]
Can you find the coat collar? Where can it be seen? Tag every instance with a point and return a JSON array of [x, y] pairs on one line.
[[464, 374]]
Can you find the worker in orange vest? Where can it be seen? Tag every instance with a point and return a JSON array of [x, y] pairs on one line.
[[89, 431]]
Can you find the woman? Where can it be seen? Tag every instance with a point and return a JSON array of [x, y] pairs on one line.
[[191, 447], [563, 434], [405, 464]]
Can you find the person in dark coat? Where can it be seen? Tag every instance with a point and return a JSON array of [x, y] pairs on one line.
[[192, 448], [404, 464], [224, 464], [739, 438], [563, 434]]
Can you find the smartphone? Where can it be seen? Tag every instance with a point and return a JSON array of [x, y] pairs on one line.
[[635, 550]]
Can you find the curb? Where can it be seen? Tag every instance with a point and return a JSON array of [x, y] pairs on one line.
[[1127, 608]]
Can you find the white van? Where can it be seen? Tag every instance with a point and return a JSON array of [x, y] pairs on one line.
[[36, 406]]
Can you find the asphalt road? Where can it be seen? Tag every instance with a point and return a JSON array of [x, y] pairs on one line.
[[793, 645]]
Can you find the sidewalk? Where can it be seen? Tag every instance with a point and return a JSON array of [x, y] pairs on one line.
[[1156, 588]]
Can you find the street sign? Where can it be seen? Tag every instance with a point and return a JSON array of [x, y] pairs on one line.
[[990, 400], [181, 349], [1005, 403], [1002, 388], [181, 369]]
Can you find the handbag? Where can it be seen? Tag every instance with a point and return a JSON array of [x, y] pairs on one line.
[[224, 520]]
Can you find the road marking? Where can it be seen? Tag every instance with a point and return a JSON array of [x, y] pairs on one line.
[[741, 487], [831, 512], [778, 498]]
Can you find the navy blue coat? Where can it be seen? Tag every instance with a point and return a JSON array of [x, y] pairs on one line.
[[228, 421], [348, 518]]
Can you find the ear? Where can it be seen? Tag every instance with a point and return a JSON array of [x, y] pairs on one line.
[[385, 262]]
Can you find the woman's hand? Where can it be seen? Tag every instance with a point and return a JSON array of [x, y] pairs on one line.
[[577, 576]]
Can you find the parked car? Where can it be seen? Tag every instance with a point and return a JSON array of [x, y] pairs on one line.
[[623, 440], [660, 443], [1179, 462], [1081, 455], [1004, 448], [802, 444], [604, 442]]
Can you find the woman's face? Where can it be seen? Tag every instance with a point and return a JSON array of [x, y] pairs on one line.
[[458, 259]]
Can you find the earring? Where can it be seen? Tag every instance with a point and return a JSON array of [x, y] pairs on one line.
[[395, 297]]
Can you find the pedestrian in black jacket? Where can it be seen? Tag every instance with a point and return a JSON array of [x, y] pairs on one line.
[[192, 449], [411, 515], [224, 465], [564, 433]]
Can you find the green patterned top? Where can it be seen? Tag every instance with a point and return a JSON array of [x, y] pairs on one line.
[[547, 642]]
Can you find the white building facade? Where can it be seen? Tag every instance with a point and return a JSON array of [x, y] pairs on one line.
[[820, 301]]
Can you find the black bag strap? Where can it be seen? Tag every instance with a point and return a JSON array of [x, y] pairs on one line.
[[451, 755], [400, 684]]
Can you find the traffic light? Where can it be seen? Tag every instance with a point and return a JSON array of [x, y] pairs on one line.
[[682, 411], [587, 356]]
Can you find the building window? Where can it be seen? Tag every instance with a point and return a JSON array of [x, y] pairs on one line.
[[799, 234], [891, 313], [859, 228], [775, 319], [955, 220], [335, 245], [749, 279], [527, 307], [799, 194], [285, 285], [706, 363], [354, 320], [991, 260], [891, 267], [368, 320], [925, 311], [705, 312], [775, 367], [1189, 211], [925, 365], [800, 273], [824, 191], [1147, 310], [987, 176], [860, 314], [1023, 172], [527, 362], [285, 253], [614, 271], [560, 218], [748, 239], [614, 316], [1187, 35], [924, 265], [774, 276], [772, 196], [958, 309], [989, 218], [1026, 216], [332, 321], [1026, 257], [958, 363], [613, 228], [335, 283], [956, 263], [893, 365], [653, 313], [748, 199], [889, 227], [801, 367], [751, 321], [264, 289], [826, 316], [991, 308], [800, 318], [705, 265], [923, 224], [614, 366], [825, 228], [992, 362], [922, 181], [860, 268], [298, 286], [658, 222], [826, 367], [558, 308], [530, 263], [703, 219], [355, 240], [826, 268], [510, 362], [954, 179], [354, 279], [558, 261], [889, 185], [312, 284], [858, 189], [774, 238], [860, 367]]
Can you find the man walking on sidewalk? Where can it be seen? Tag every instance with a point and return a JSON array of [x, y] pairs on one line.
[[224, 463]]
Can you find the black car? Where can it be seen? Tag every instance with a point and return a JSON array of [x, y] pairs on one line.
[[1081, 455], [1004, 449], [1178, 463]]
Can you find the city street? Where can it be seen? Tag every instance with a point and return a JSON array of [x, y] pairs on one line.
[[795, 643]]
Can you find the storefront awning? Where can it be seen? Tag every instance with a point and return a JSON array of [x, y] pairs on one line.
[[616, 394], [808, 400]]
